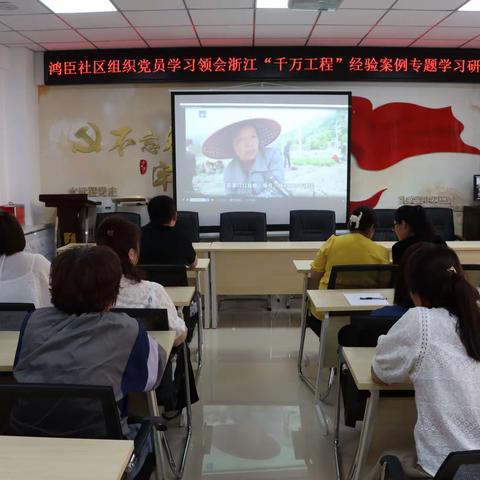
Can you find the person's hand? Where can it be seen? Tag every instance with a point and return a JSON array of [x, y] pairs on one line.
[[180, 339]]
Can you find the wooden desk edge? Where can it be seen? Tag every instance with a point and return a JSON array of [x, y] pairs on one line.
[[359, 374]]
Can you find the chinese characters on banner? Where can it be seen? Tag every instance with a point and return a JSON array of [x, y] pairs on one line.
[[90, 141], [280, 64]]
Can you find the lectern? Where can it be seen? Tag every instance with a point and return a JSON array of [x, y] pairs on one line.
[[71, 215]]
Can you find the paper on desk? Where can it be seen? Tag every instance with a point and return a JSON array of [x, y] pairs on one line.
[[366, 298]]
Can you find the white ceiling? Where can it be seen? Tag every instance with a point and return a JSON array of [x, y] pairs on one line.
[[201, 23]]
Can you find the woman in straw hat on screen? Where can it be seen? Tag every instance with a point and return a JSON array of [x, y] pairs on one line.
[[255, 168]]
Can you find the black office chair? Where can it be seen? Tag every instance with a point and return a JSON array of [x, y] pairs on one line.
[[243, 227], [130, 216], [363, 331], [12, 315], [188, 223], [384, 226], [311, 225], [70, 411], [156, 319], [472, 271], [457, 466], [176, 276], [166, 275], [442, 220], [363, 276]]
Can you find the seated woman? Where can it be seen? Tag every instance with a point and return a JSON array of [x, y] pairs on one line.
[[123, 237], [355, 247], [411, 225], [72, 341], [24, 276], [436, 346], [401, 297]]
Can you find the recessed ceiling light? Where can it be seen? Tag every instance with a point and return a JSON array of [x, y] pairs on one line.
[[272, 3], [471, 6], [79, 6]]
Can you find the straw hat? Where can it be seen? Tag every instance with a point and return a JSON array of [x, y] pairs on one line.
[[220, 144]]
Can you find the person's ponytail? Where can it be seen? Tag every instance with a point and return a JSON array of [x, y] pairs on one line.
[[435, 274], [466, 299]]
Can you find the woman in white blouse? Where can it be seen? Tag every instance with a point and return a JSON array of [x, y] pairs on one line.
[[24, 276], [436, 346], [123, 237]]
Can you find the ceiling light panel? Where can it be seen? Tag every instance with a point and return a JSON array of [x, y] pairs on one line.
[[79, 6]]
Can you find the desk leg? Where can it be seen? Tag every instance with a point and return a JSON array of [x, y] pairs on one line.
[[336, 439], [208, 308], [303, 314], [157, 436], [213, 290], [178, 472], [365, 436], [200, 322], [321, 357]]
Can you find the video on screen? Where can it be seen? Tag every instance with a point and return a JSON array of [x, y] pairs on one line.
[[262, 147]]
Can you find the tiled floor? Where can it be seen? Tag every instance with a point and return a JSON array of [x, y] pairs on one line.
[[255, 419]]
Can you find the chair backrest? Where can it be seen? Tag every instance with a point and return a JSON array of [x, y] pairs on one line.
[[442, 219], [311, 225], [384, 226], [13, 314], [188, 223], [243, 227], [364, 330], [472, 271], [460, 466], [166, 275], [48, 410], [130, 216], [363, 276], [150, 318]]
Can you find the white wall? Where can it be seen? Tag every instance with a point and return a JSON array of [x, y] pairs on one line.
[[4, 192], [19, 158]]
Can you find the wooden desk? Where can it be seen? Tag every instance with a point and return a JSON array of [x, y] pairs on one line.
[[327, 302], [203, 267], [359, 362], [181, 296], [201, 273], [8, 347], [24, 458], [256, 268]]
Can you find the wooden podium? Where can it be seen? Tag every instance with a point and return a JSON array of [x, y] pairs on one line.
[[71, 215]]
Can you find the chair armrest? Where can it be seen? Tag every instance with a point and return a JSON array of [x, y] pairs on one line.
[[142, 436], [149, 421], [393, 468]]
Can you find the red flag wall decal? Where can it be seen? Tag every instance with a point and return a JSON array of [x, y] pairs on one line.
[[388, 134], [371, 202]]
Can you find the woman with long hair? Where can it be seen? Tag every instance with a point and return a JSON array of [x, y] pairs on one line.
[[123, 237], [436, 345], [411, 225]]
